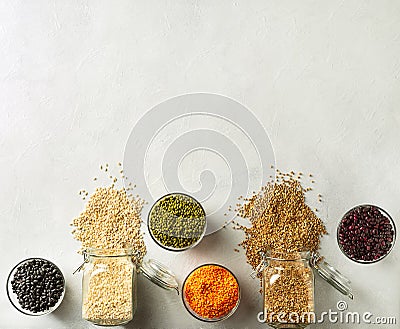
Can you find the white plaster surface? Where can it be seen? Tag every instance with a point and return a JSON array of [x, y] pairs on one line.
[[75, 76]]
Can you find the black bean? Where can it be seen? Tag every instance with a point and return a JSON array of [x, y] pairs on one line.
[[34, 281]]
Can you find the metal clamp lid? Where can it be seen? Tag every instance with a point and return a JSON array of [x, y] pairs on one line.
[[100, 253], [159, 274], [261, 266], [331, 275]]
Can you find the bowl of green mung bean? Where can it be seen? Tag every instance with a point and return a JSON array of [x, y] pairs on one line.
[[177, 222]]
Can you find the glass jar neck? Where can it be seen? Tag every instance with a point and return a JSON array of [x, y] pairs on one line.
[[110, 252], [302, 256]]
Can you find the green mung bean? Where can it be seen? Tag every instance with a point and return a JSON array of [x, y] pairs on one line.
[[177, 221]]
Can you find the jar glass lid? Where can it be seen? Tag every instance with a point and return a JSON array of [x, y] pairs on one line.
[[159, 274], [331, 275]]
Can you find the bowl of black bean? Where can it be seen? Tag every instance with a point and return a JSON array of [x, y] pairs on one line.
[[366, 234], [35, 286]]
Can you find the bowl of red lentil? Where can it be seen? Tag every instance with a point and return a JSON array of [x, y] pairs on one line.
[[211, 293]]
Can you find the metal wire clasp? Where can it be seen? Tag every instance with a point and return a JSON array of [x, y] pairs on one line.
[[85, 260], [260, 267]]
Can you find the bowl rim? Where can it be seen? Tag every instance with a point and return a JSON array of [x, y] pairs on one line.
[[171, 248], [363, 262], [22, 310], [199, 317]]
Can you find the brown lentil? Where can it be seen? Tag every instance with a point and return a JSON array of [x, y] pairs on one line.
[[280, 220], [288, 288], [282, 223]]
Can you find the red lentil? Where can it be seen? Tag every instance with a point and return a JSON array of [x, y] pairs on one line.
[[211, 291]]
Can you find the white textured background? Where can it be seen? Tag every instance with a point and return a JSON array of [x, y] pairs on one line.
[[75, 76]]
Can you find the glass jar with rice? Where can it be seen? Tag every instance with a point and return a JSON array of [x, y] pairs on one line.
[[109, 294]]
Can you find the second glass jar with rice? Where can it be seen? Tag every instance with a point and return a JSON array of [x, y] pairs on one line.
[[288, 287]]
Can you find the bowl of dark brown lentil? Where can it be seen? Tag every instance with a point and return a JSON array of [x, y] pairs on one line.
[[177, 222], [35, 286], [366, 234]]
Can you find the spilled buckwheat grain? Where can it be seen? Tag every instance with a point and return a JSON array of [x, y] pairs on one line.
[[280, 219]]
